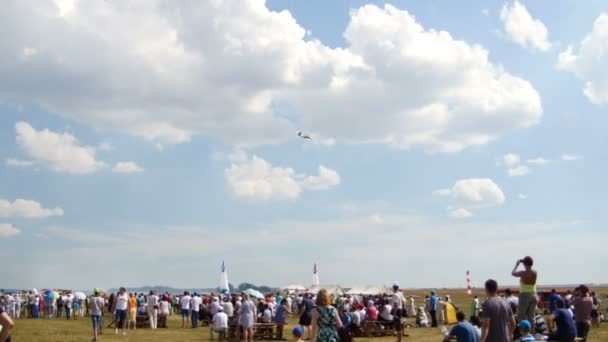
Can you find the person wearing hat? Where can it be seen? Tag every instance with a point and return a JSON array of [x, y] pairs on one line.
[[96, 309], [297, 333], [219, 324], [524, 331]]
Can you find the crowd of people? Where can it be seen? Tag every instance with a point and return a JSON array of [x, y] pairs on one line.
[[325, 316]]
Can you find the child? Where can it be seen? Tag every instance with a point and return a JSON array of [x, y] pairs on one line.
[[524, 330], [298, 332]]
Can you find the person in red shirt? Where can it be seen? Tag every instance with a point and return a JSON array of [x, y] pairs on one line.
[[371, 311]]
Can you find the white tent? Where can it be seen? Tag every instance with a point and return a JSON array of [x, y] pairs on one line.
[[294, 288], [331, 289], [369, 290]]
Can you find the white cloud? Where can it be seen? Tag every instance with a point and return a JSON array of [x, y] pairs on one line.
[[522, 28], [540, 161], [571, 157], [472, 193], [589, 64], [485, 12], [376, 219], [518, 171], [254, 178], [19, 162], [26, 209], [169, 71], [8, 230], [61, 152], [511, 159], [522, 196], [460, 213], [104, 147], [127, 167]]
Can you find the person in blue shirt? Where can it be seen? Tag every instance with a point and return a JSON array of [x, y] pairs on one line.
[[434, 302], [561, 319], [553, 298], [524, 330], [463, 331]]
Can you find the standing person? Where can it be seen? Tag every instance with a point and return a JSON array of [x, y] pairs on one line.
[[195, 307], [583, 305], [132, 317], [433, 307], [228, 307], [280, 318], [96, 308], [120, 309], [7, 325], [247, 317], [68, 303], [325, 320], [595, 312], [184, 303], [554, 297], [527, 295], [306, 314], [463, 331], [498, 321], [399, 310], [153, 309], [475, 306], [60, 303], [411, 307], [18, 301], [164, 310]]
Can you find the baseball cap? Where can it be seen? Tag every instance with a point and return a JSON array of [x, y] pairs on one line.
[[396, 284], [525, 325], [298, 331]]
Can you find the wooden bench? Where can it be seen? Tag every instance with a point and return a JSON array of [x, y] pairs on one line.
[[264, 331]]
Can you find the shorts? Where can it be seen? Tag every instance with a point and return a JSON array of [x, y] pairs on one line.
[[185, 313], [595, 313], [96, 319], [121, 317]]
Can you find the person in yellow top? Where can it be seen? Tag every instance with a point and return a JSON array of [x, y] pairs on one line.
[[132, 312], [528, 300]]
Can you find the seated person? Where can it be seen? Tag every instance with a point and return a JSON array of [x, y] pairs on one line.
[[385, 313], [345, 318], [371, 312], [463, 331], [524, 331], [267, 314], [421, 318], [220, 324], [561, 324]]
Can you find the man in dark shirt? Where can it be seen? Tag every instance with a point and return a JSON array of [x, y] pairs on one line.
[[498, 321], [463, 331], [562, 320], [553, 298]]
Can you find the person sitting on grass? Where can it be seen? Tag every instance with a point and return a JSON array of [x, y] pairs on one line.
[[463, 331], [297, 333], [524, 331], [219, 324]]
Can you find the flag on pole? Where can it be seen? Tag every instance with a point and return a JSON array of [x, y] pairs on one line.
[[224, 287], [469, 285], [315, 275]]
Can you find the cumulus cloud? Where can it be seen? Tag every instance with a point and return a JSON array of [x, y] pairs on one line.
[[8, 230], [571, 157], [540, 161], [61, 152], [256, 179], [511, 159], [589, 64], [522, 28], [19, 162], [26, 209], [518, 171], [472, 193], [166, 71], [127, 167]]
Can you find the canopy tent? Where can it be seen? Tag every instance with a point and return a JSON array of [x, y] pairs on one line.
[[294, 288], [369, 290], [255, 293], [331, 289]]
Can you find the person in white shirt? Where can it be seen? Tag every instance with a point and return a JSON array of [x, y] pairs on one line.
[[184, 304], [385, 313], [227, 307], [18, 306], [153, 309], [195, 307], [399, 313], [120, 308], [68, 303], [10, 305], [164, 310], [267, 314], [220, 324], [355, 318]]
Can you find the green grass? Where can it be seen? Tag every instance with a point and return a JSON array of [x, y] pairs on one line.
[[62, 330]]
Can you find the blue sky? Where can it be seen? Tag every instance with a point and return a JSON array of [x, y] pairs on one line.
[[144, 142]]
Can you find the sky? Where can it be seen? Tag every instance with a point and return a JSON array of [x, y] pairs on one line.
[[144, 142]]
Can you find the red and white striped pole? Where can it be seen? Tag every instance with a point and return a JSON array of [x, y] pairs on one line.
[[469, 285]]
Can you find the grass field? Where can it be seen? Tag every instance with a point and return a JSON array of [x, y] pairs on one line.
[[80, 330]]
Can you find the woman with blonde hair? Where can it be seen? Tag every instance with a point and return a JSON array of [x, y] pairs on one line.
[[247, 317], [325, 320], [132, 314]]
